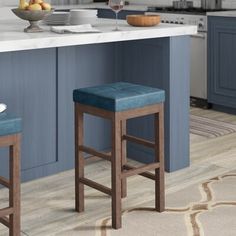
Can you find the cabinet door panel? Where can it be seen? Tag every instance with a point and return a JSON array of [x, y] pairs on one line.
[[79, 67], [28, 87], [221, 61], [226, 63]]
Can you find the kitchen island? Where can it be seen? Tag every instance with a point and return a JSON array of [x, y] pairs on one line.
[[39, 72]]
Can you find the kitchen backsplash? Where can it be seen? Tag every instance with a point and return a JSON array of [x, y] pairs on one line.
[[226, 3], [197, 3]]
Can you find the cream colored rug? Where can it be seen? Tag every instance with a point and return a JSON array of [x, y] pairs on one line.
[[206, 209], [210, 128]]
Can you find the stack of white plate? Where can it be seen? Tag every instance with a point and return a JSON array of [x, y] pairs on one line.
[[83, 16], [57, 18]]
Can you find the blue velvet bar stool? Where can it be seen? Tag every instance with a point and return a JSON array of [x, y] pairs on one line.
[[119, 102], [10, 129]]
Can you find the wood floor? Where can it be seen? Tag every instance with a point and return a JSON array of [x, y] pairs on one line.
[[48, 203]]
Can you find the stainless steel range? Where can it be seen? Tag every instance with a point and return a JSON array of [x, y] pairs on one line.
[[192, 16]]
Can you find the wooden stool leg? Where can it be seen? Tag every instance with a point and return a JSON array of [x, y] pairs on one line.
[[79, 160], [159, 153], [14, 191], [123, 159], [116, 174]]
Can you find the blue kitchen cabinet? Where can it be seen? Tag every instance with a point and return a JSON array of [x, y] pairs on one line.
[[81, 67], [108, 13], [221, 61], [37, 86], [28, 86]]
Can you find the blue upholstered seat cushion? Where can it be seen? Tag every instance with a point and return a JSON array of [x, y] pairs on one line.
[[9, 124], [119, 96]]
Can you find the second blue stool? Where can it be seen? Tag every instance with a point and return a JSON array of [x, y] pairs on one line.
[[10, 129]]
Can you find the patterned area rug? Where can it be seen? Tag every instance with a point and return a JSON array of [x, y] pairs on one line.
[[210, 128], [207, 209]]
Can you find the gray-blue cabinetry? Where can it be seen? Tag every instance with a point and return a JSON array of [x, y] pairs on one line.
[[82, 66], [28, 87], [221, 61], [37, 85]]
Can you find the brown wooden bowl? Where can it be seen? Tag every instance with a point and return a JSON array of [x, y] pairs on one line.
[[143, 20]]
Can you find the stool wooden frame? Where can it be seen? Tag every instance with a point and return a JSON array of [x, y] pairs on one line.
[[13, 211], [120, 169]]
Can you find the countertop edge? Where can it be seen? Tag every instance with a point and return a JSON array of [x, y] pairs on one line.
[[84, 39], [222, 14]]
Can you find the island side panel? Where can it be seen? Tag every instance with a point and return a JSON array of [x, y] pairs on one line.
[[142, 62], [28, 87], [161, 63], [179, 102], [78, 67]]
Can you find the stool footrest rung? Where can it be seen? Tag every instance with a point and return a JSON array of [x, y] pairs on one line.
[[94, 152], [139, 141], [5, 221], [140, 170], [144, 174], [4, 182], [95, 185], [6, 211]]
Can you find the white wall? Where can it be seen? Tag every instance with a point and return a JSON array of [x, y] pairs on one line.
[[9, 2]]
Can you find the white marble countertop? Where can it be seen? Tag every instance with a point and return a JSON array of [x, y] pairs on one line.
[[12, 37], [223, 13]]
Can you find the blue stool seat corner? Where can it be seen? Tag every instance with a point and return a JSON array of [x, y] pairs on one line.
[[9, 124]]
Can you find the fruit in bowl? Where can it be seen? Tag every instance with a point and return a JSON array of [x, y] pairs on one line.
[[33, 11], [35, 5], [23, 5]]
